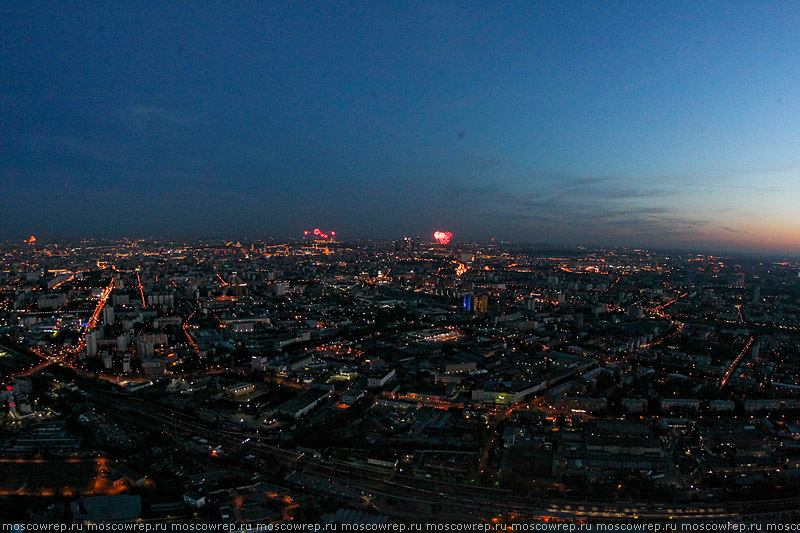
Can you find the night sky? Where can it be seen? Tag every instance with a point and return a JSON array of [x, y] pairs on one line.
[[668, 124]]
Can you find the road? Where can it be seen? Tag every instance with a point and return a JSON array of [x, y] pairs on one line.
[[186, 330], [141, 291], [659, 310], [95, 316], [735, 363]]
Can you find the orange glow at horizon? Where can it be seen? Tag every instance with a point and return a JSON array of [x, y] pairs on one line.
[[773, 238]]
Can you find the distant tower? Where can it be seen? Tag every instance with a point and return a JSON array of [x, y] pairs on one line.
[[757, 295]]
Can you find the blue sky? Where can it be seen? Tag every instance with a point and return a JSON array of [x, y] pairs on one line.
[[636, 123]]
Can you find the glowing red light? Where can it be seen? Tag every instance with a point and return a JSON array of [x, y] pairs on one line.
[[305, 233], [333, 233], [442, 237], [317, 231]]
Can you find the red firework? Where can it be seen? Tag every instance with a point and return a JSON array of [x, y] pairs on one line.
[[319, 234], [442, 237]]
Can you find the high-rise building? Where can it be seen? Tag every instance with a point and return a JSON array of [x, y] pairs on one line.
[[475, 303], [108, 314], [468, 302], [144, 348], [91, 343]]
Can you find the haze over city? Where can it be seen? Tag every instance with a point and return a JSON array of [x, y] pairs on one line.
[[633, 123]]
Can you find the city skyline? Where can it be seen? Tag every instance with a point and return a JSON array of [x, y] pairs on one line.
[[254, 382], [634, 124]]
